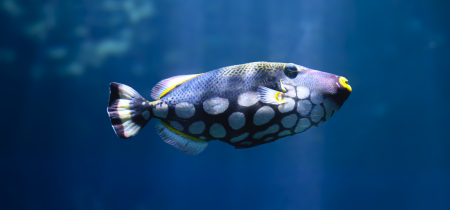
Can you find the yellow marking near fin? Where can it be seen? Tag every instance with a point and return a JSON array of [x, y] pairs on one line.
[[278, 97], [344, 82], [180, 133], [178, 84]]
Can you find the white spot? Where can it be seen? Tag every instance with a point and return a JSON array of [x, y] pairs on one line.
[[330, 106], [317, 113], [215, 105], [284, 133], [239, 138], [236, 120], [268, 139], [176, 125], [302, 92], [248, 98], [289, 121], [316, 97], [123, 103], [184, 110], [263, 115], [270, 130], [197, 127], [217, 131], [290, 91], [304, 107], [161, 110], [288, 106], [146, 114], [246, 143], [302, 125]]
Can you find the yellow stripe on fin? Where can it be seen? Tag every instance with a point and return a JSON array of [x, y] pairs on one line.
[[180, 133], [167, 85], [269, 96], [181, 141]]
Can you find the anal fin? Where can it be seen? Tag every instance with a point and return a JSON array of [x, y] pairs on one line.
[[187, 144]]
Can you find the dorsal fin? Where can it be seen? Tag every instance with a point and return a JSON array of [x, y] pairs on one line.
[[165, 86]]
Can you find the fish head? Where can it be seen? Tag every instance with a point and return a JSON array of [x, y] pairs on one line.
[[316, 84]]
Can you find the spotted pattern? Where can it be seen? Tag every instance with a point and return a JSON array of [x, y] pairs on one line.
[[290, 91], [246, 143], [270, 130], [302, 92], [197, 127], [316, 97], [302, 125], [146, 114], [248, 98], [268, 139], [263, 115], [216, 105], [161, 110], [184, 110], [284, 133], [317, 113], [236, 120], [217, 131], [288, 106], [239, 138], [176, 125], [289, 121], [304, 107]]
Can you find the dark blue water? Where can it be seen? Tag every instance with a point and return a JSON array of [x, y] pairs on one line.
[[387, 148]]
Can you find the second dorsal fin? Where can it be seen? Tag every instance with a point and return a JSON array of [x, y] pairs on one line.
[[165, 86]]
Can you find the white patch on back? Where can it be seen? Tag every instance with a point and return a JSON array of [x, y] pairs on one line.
[[317, 113], [330, 106], [284, 133], [146, 114], [316, 97], [288, 106], [289, 121], [236, 120], [216, 105], [217, 131], [263, 115], [184, 110], [270, 130], [197, 127], [176, 125], [239, 138], [248, 98], [302, 125], [304, 107], [161, 110], [302, 92]]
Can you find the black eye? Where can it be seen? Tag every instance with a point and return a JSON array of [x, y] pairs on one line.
[[290, 71]]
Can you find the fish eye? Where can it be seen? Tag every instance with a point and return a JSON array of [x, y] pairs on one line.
[[290, 70]]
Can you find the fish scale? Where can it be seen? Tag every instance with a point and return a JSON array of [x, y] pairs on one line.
[[243, 105]]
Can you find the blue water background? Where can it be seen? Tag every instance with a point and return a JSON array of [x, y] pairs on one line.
[[387, 148]]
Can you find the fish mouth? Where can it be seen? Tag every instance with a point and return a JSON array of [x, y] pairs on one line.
[[344, 83]]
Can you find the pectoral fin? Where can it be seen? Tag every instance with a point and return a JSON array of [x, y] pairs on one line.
[[270, 96]]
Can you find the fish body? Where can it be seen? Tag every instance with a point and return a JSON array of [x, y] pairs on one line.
[[243, 105]]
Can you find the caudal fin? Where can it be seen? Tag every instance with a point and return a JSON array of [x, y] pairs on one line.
[[128, 111]]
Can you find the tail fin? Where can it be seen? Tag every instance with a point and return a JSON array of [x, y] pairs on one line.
[[128, 111]]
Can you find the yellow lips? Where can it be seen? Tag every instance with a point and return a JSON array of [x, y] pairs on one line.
[[344, 82]]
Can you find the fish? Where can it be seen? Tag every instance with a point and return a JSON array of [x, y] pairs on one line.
[[243, 105]]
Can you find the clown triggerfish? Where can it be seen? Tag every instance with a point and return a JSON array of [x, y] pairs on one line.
[[243, 105]]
